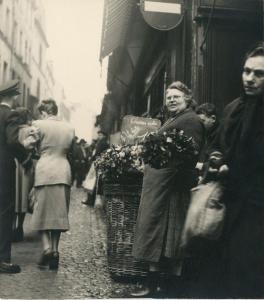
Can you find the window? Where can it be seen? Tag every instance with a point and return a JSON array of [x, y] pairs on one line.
[[24, 95], [152, 101], [28, 96], [29, 57], [1, 14], [5, 72], [40, 56], [7, 23], [13, 74], [15, 37], [26, 52], [20, 42], [38, 89]]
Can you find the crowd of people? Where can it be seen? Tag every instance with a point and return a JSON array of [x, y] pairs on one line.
[[230, 151], [230, 148]]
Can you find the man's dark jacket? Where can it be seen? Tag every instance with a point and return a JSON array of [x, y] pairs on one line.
[[241, 140], [9, 149], [100, 147]]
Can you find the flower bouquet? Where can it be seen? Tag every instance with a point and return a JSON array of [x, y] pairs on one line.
[[161, 150], [120, 163]]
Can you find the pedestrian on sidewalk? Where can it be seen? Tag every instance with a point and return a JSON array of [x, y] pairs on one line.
[[52, 181], [80, 160], [10, 148], [241, 143], [28, 137], [100, 147], [165, 197]]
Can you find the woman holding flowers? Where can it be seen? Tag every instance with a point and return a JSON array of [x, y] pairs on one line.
[[166, 188]]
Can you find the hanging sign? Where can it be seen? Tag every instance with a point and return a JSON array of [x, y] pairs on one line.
[[162, 14], [134, 129]]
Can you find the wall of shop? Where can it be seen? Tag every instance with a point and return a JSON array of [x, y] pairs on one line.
[[205, 51]]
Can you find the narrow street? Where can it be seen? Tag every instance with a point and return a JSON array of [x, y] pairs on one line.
[[83, 268]]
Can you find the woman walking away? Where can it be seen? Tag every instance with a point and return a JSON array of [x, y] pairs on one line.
[[52, 181], [166, 195]]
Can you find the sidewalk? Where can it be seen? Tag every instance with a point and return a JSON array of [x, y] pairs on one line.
[[83, 268]]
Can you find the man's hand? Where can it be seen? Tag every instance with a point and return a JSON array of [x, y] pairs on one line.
[[199, 166], [223, 169], [216, 160]]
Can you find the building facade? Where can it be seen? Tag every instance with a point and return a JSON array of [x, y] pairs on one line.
[[205, 51], [23, 47]]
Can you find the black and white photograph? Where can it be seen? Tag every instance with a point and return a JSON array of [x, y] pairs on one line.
[[131, 149]]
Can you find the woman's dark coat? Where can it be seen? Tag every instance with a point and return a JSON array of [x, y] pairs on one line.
[[158, 186]]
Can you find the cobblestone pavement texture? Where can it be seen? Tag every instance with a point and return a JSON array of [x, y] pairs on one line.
[[83, 268]]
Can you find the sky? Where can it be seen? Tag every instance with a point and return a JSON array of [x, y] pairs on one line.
[[73, 29]]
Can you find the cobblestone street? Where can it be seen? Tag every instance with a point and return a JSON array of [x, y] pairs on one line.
[[83, 268]]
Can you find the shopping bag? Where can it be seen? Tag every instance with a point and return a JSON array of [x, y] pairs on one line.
[[206, 213], [90, 180]]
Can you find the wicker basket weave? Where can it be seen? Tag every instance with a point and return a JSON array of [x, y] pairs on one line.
[[122, 202]]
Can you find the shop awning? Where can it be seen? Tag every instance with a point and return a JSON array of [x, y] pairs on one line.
[[117, 15]]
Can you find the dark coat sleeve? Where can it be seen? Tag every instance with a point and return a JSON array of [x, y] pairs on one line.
[[101, 146], [193, 127], [70, 157], [12, 130]]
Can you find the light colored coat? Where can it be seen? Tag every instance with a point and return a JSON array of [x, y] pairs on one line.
[[55, 142]]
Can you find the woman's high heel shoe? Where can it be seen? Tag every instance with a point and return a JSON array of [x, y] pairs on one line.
[[45, 258], [54, 261]]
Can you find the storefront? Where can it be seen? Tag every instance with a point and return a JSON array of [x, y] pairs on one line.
[[205, 50]]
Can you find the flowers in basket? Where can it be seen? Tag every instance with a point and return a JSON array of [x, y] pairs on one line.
[[119, 162], [160, 150]]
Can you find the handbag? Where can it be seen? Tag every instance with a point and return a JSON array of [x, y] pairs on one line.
[[206, 213], [90, 180]]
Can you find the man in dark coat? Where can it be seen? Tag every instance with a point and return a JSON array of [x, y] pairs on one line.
[[241, 143], [101, 144], [9, 149], [80, 159]]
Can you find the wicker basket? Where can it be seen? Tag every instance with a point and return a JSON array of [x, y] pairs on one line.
[[122, 202]]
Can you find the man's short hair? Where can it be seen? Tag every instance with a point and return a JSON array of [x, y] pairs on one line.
[[82, 141], [257, 50], [207, 109], [49, 106]]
